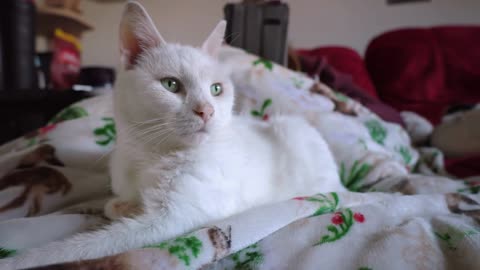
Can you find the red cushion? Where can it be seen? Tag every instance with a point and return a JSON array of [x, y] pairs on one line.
[[464, 166], [426, 70], [347, 61]]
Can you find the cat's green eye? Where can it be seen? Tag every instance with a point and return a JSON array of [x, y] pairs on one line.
[[170, 84], [216, 89]]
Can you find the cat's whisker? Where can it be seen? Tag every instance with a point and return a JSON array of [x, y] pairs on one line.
[[150, 120], [147, 121], [149, 130], [145, 132], [164, 139], [157, 135], [138, 126]]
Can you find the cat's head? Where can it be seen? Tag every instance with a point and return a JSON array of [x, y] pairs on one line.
[[170, 94]]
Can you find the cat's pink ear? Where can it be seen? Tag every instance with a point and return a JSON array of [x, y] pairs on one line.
[[214, 41], [137, 33]]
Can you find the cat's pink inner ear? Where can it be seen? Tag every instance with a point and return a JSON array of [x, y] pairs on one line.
[[129, 50], [137, 34], [214, 41]]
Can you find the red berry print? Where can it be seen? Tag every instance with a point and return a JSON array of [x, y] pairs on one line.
[[474, 183], [46, 129], [337, 219], [299, 198], [265, 117], [359, 217], [342, 222]]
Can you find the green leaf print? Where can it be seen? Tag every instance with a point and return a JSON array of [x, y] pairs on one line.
[[365, 268], [297, 82], [363, 143], [69, 113], [377, 131], [472, 187], [261, 113], [341, 97], [327, 205], [182, 247], [266, 63], [446, 238], [5, 253], [404, 153], [265, 104], [352, 180], [106, 133], [454, 236], [342, 222], [248, 258]]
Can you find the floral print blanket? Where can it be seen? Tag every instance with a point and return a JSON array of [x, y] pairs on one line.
[[403, 212]]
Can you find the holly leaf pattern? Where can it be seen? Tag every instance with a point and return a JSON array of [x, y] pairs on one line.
[[355, 175], [266, 63], [107, 133], [261, 113], [341, 97], [266, 103], [69, 113], [472, 187], [363, 143], [184, 248], [297, 82], [327, 204], [342, 222], [452, 237], [256, 113], [248, 258], [377, 131], [5, 253], [404, 153]]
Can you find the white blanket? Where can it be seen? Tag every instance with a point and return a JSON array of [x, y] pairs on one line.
[[404, 212]]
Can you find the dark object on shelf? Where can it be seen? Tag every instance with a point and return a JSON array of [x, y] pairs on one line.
[[18, 44], [25, 111], [43, 70], [97, 77], [260, 29]]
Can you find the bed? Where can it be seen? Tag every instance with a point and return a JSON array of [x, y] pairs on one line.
[[403, 211]]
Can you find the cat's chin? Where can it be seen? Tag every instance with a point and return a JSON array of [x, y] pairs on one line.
[[196, 138]]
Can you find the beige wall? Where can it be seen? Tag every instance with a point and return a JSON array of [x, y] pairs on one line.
[[356, 22], [312, 22]]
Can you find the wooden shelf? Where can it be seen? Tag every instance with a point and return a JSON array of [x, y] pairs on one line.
[[49, 18]]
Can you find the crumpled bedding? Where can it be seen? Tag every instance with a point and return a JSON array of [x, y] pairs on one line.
[[403, 212]]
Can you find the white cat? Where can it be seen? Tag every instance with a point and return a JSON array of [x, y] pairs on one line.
[[181, 157]]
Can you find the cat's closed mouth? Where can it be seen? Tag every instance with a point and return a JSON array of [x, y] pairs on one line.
[[202, 130]]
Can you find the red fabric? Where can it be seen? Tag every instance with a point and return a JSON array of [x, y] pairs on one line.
[[346, 61], [464, 166], [426, 70], [317, 63]]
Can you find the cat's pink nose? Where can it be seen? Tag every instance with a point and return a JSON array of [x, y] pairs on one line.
[[204, 111]]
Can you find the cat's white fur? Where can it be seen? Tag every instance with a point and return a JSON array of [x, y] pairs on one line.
[[183, 172]]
